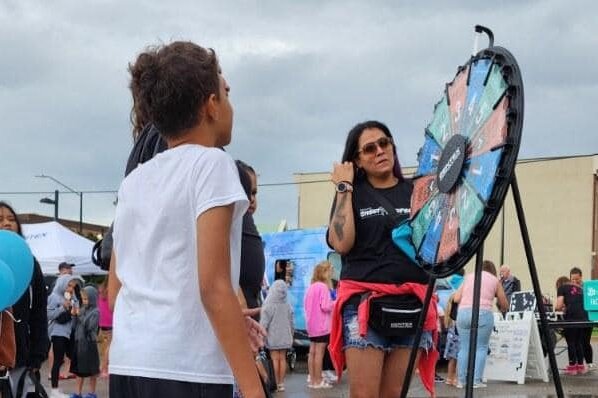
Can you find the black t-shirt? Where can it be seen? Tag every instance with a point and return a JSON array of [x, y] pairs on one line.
[[252, 262], [374, 257], [573, 296]]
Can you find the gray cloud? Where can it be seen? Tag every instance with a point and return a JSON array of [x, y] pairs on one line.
[[302, 73]]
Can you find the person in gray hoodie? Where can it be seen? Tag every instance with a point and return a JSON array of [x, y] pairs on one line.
[[61, 303], [85, 361], [277, 318]]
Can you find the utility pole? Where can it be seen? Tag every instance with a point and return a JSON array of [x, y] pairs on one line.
[[56, 199]]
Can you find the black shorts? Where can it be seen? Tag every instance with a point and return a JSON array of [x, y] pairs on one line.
[[145, 387], [320, 339]]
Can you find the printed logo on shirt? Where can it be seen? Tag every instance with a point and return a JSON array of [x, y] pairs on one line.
[[370, 212]]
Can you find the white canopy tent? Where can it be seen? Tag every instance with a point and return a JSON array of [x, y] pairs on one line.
[[52, 244]]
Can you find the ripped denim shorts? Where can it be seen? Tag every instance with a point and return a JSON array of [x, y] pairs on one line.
[[352, 339]]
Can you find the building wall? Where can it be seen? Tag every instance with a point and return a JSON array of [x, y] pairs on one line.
[[558, 201], [316, 193]]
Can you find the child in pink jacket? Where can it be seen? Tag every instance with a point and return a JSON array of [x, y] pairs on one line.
[[318, 312]]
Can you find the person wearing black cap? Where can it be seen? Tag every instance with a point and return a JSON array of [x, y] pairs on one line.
[[65, 268]]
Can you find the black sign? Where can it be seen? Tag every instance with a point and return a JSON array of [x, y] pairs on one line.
[[523, 301], [451, 163]]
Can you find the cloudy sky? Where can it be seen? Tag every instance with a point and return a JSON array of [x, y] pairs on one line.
[[302, 73]]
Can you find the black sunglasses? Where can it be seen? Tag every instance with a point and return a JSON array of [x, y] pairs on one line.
[[371, 147]]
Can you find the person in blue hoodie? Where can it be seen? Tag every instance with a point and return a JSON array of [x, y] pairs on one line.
[[62, 303], [85, 362]]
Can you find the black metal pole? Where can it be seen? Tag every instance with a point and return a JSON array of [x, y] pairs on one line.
[[56, 205], [80, 212], [475, 315], [544, 329], [418, 337]]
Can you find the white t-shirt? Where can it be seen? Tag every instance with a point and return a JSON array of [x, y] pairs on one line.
[[161, 329]]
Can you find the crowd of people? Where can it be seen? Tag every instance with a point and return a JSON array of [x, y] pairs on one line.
[[457, 321], [187, 266]]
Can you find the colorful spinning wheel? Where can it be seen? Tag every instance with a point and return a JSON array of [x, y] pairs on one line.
[[467, 160]]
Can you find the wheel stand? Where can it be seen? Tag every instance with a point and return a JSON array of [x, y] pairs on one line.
[[544, 328]]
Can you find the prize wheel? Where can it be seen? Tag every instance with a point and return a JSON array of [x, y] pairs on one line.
[[467, 160]]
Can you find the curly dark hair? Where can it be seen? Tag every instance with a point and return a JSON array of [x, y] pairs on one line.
[[169, 84]]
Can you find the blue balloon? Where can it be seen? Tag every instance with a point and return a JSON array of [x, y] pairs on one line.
[[15, 253], [7, 286]]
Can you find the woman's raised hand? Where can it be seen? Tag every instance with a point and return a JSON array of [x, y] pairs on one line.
[[344, 171]]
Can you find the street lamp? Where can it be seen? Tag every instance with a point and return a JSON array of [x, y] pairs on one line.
[[54, 202], [56, 199]]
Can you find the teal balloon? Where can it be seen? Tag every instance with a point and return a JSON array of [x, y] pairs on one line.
[[15, 253], [7, 286]]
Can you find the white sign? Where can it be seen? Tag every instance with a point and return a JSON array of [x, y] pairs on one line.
[[515, 349]]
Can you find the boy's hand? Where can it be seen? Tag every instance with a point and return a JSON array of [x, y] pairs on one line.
[[256, 334], [251, 311]]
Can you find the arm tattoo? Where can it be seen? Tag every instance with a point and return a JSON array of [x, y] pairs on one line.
[[340, 219]]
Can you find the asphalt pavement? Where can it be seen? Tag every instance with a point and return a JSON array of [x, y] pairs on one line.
[[296, 385]]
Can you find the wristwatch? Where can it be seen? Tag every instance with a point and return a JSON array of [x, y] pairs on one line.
[[343, 187]]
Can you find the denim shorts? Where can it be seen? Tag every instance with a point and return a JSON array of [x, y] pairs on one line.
[[352, 339]]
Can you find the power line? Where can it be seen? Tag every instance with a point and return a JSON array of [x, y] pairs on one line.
[[112, 191], [277, 184], [51, 192]]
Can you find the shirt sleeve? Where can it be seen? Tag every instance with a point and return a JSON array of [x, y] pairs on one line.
[[291, 317], [55, 308], [561, 291], [38, 320], [216, 183], [265, 317], [326, 303], [516, 285]]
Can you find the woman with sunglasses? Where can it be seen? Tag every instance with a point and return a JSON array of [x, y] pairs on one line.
[[360, 230]]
